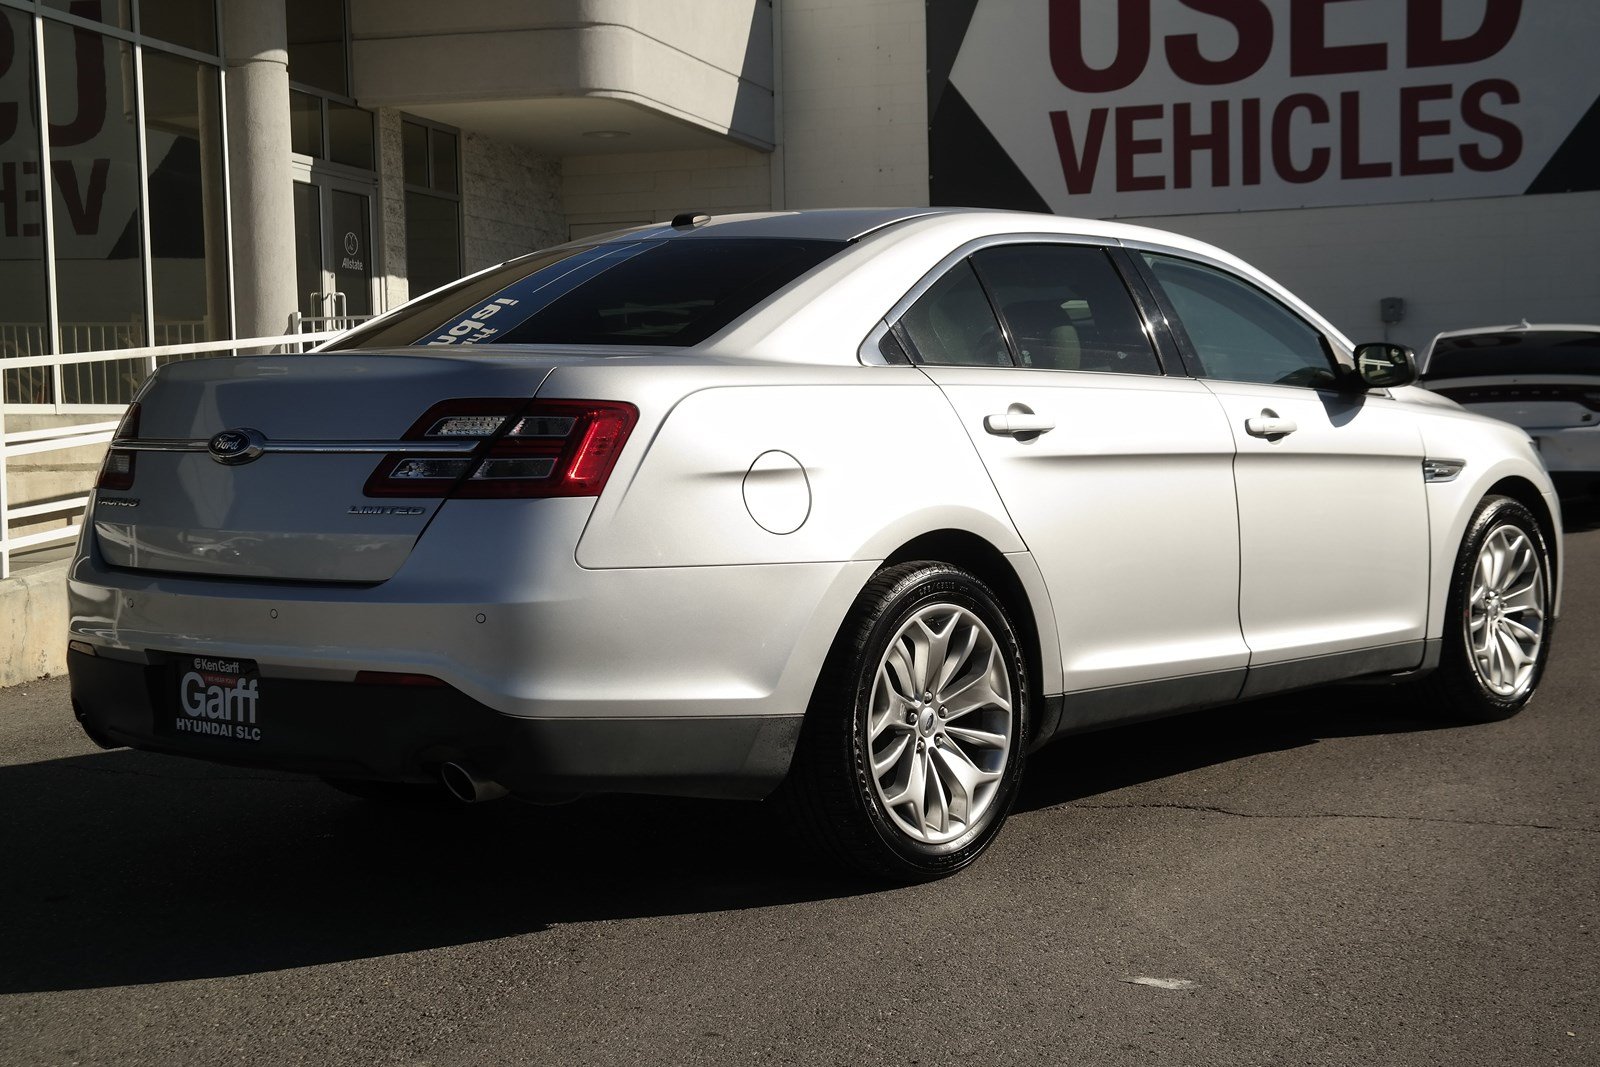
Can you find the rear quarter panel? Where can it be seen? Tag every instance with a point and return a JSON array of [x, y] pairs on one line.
[[883, 456]]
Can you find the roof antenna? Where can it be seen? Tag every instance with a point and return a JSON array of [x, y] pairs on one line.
[[688, 220]]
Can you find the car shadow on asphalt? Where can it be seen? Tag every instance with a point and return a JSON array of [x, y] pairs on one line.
[[126, 868], [1090, 764]]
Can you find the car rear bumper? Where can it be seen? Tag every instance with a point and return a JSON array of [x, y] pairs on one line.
[[502, 612], [405, 733]]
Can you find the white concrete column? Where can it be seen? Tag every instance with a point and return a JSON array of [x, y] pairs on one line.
[[255, 42]]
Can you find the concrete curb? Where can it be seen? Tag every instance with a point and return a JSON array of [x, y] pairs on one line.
[[33, 640]]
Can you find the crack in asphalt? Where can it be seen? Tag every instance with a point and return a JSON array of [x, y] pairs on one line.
[[1215, 810]]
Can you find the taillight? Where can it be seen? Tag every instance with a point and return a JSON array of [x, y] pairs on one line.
[[539, 449], [117, 469]]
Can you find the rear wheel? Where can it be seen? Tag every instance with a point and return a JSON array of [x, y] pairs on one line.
[[913, 745], [1497, 622]]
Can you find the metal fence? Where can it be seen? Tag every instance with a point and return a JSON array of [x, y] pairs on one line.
[[103, 382]]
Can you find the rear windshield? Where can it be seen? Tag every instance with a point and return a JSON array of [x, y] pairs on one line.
[[658, 292], [1482, 355]]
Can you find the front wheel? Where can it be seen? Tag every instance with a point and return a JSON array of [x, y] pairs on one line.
[[1497, 620], [913, 745]]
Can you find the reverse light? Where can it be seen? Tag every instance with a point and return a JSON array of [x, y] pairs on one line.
[[117, 469], [467, 426], [541, 448], [430, 469]]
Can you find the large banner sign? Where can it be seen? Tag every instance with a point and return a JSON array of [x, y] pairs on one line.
[[1156, 107]]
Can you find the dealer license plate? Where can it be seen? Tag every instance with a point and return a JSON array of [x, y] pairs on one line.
[[217, 697]]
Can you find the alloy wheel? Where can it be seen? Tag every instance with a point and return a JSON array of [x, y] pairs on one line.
[[1505, 621], [939, 728]]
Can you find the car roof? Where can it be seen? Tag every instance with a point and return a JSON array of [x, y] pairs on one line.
[[829, 224], [1516, 327], [850, 224]]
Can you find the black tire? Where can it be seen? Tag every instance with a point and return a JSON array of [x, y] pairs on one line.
[[1459, 689], [833, 795]]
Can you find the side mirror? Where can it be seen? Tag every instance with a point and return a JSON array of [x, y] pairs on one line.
[[1381, 365]]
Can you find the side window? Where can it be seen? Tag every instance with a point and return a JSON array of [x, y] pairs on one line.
[[1067, 308], [952, 323], [1239, 332]]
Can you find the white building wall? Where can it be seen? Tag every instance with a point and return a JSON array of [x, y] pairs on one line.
[[608, 192], [1456, 263], [510, 201], [852, 105]]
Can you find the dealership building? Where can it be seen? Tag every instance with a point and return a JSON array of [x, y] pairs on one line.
[[184, 172]]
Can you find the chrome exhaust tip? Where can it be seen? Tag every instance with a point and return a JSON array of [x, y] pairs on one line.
[[466, 786]]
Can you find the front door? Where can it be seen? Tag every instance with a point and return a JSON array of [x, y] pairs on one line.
[[334, 268], [1333, 520]]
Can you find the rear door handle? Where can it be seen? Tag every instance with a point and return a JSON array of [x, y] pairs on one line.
[[1018, 424], [1269, 425]]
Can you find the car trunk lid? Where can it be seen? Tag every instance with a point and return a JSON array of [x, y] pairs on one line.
[[298, 509]]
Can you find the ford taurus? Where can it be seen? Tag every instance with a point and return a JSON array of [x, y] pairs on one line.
[[855, 509]]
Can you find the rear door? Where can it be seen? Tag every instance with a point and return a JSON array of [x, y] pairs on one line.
[[1333, 521], [1118, 477]]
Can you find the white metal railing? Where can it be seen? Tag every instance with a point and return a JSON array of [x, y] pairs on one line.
[[107, 382], [96, 430]]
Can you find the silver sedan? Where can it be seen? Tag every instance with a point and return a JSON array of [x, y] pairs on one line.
[[853, 509]]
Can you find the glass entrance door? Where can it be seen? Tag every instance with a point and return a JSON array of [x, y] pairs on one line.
[[334, 269]]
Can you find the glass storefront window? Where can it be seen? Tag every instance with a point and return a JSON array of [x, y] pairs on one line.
[[433, 206], [183, 139], [24, 322], [128, 236], [118, 13], [433, 242], [352, 258], [94, 167], [190, 23], [414, 150], [350, 136], [305, 124], [443, 172], [308, 249]]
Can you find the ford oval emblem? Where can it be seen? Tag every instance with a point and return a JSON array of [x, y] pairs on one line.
[[233, 447]]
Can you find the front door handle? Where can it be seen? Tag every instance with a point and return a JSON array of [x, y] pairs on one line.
[[1023, 425], [1269, 425]]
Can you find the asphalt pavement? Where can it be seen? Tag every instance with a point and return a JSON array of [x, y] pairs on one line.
[[1324, 878]]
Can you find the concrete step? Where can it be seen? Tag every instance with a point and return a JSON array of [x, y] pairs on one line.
[[33, 607]]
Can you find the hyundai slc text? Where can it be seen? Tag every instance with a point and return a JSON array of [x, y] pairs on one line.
[[851, 508]]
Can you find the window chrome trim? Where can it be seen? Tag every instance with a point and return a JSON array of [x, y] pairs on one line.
[[130, 36], [867, 352], [1343, 353]]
